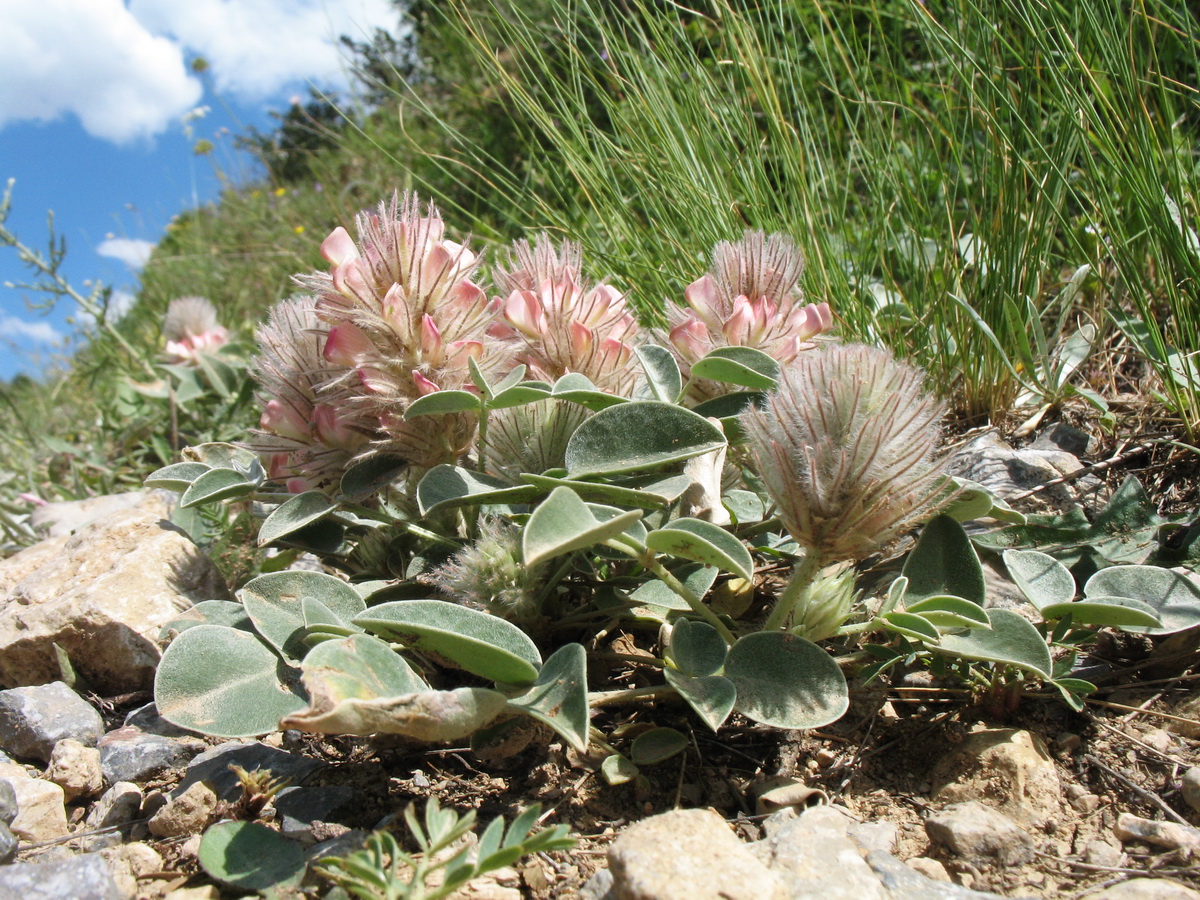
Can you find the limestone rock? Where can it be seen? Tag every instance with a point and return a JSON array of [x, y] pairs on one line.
[[129, 863], [1188, 709], [102, 598], [120, 805], [212, 766], [1146, 889], [41, 814], [980, 835], [688, 854], [186, 814], [75, 768], [814, 855], [34, 719], [1006, 472], [65, 517], [85, 877], [1190, 786], [1007, 768]]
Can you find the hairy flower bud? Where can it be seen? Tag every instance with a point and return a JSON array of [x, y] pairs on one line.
[[491, 574], [191, 328], [845, 446]]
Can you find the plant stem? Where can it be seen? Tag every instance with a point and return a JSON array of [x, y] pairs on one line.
[[605, 698], [795, 593], [645, 556]]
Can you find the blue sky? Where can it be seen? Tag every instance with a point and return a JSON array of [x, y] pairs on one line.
[[99, 115]]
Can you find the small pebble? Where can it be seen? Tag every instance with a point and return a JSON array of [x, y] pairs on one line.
[[1099, 853], [1068, 741], [1190, 787]]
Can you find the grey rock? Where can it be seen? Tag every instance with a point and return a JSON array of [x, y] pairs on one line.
[[688, 854], [8, 844], [8, 803], [84, 877], [814, 855], [120, 805], [903, 883], [1064, 437], [128, 754], [599, 887], [1006, 472], [213, 766], [102, 596], [1190, 786], [1146, 889], [299, 808], [34, 719], [146, 718], [343, 844], [980, 835]]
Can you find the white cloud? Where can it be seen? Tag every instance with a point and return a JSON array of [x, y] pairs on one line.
[[257, 48], [131, 251], [121, 69], [15, 329], [94, 60]]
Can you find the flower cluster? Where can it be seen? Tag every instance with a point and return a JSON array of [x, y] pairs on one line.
[[404, 317], [191, 328], [750, 298], [565, 324], [306, 436]]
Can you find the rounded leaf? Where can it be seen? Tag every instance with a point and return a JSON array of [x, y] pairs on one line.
[[224, 682], [559, 696], [1012, 640], [483, 644], [656, 745], [696, 648], [697, 579], [1041, 577], [367, 476], [944, 562], [617, 769], [743, 366], [636, 436], [911, 625], [663, 381], [177, 477], [711, 696], [251, 857], [1115, 612], [215, 485], [785, 681], [209, 612], [442, 402], [274, 604], [294, 514], [563, 523], [575, 388], [703, 542], [1174, 597], [950, 611], [447, 486]]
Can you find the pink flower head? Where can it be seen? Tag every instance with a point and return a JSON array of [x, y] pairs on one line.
[[404, 318], [566, 324], [191, 328], [750, 297]]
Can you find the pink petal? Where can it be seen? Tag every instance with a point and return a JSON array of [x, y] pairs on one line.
[[431, 340], [581, 339], [339, 247], [737, 328], [690, 338], [524, 312], [331, 430], [285, 421], [348, 345], [701, 297], [424, 385]]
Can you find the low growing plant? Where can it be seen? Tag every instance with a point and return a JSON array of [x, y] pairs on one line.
[[504, 476]]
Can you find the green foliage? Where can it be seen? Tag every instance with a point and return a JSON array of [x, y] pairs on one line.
[[384, 871]]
